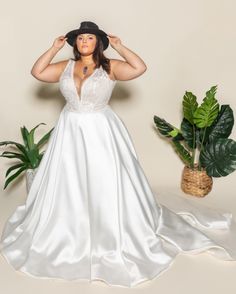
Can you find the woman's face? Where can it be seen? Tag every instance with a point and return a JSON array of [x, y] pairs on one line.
[[86, 43]]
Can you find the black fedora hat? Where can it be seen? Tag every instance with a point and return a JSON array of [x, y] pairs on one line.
[[87, 27]]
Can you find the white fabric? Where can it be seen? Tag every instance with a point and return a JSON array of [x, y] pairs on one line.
[[91, 214]]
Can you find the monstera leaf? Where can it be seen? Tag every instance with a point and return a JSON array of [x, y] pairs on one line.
[[182, 152], [219, 157], [207, 112], [190, 133], [167, 129], [189, 106], [223, 124]]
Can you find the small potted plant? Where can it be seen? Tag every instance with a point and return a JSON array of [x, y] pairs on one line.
[[28, 154], [202, 141]]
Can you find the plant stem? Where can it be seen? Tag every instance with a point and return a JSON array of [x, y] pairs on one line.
[[193, 152], [193, 158], [203, 138]]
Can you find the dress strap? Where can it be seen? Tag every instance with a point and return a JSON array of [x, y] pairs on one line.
[[67, 68]]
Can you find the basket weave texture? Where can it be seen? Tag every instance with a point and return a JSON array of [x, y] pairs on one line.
[[196, 182]]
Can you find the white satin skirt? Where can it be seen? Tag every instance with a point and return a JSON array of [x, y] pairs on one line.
[[91, 214]]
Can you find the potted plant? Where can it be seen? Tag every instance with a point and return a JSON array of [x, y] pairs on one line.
[[28, 154], [202, 141]]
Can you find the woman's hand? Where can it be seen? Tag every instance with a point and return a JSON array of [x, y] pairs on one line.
[[115, 42], [59, 42]]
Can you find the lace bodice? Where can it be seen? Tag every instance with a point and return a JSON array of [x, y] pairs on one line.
[[95, 90]]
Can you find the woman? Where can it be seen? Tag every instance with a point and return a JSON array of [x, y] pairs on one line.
[[90, 212]]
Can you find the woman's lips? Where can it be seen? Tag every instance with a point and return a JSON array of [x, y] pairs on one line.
[[84, 46]]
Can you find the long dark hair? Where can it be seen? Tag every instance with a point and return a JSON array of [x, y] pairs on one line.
[[98, 56]]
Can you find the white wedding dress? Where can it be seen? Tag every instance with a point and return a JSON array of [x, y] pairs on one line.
[[90, 212]]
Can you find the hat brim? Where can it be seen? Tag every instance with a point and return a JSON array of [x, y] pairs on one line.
[[72, 35]]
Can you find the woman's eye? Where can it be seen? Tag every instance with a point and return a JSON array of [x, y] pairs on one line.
[[80, 38]]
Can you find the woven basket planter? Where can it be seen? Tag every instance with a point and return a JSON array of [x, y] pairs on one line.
[[195, 182]]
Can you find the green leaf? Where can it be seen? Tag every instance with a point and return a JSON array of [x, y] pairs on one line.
[[14, 176], [14, 167], [163, 126], [25, 135], [182, 152], [219, 157], [189, 106], [173, 133], [176, 135], [31, 136], [167, 129], [207, 112], [223, 124], [44, 138], [18, 145], [190, 133], [33, 155], [10, 154]]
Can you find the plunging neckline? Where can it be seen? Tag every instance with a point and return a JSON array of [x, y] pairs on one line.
[[82, 82]]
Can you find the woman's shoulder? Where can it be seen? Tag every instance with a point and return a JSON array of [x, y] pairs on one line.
[[111, 73], [113, 63], [64, 63]]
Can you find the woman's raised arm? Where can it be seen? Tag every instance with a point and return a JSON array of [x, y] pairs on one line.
[[131, 68], [43, 70]]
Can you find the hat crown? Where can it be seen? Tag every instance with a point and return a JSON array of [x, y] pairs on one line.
[[88, 25]]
